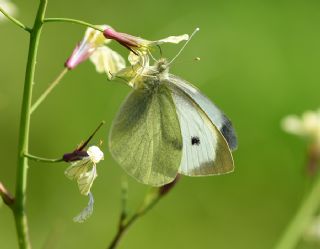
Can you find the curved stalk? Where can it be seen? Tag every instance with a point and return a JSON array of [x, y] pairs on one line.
[[48, 90], [21, 179], [15, 21], [42, 159], [70, 20]]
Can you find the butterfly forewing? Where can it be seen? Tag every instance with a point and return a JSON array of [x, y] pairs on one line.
[[146, 138], [205, 151], [219, 119]]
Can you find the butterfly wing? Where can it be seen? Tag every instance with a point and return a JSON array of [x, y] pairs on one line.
[[218, 118], [205, 150], [145, 138]]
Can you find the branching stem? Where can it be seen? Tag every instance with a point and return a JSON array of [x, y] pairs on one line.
[[125, 224]]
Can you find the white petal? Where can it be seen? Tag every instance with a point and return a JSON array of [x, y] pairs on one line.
[[171, 39], [107, 61], [95, 154], [86, 213], [310, 122], [133, 58], [292, 124], [174, 39], [132, 74], [86, 180], [96, 37], [77, 168]]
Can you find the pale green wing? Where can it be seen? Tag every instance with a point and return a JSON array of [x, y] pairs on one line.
[[84, 172], [86, 179], [219, 119], [77, 168], [145, 138], [205, 150]]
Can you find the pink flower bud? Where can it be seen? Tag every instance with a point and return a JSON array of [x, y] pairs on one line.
[[81, 53], [92, 40], [128, 41]]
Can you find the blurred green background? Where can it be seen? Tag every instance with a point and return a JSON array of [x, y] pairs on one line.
[[259, 62]]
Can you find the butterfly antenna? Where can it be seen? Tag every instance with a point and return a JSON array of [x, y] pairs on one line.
[[151, 55], [193, 33]]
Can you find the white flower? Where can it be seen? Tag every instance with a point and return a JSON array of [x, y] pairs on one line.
[[307, 126], [93, 46], [140, 51], [139, 45], [8, 7], [84, 171]]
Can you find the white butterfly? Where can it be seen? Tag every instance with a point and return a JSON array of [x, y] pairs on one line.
[[167, 127]]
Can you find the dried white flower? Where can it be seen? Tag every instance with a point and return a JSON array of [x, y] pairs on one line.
[[84, 171]]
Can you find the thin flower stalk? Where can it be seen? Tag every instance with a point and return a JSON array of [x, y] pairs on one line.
[[45, 94]]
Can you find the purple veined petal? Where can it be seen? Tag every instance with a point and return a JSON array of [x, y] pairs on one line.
[[122, 38]]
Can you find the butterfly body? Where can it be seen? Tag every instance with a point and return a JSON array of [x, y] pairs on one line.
[[166, 126]]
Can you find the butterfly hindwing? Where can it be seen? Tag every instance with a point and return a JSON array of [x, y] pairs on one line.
[[145, 137], [219, 119], [205, 150]]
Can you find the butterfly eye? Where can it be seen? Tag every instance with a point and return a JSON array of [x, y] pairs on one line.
[[195, 140]]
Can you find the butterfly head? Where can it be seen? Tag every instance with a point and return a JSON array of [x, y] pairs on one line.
[[162, 66]]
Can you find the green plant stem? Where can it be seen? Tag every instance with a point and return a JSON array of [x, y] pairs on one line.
[[124, 224], [42, 159], [15, 21], [302, 219], [70, 20], [21, 179], [48, 90]]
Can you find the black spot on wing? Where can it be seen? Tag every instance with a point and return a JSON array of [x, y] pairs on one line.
[[229, 133], [195, 141]]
